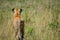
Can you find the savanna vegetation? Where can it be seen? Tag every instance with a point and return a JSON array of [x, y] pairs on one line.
[[42, 19]]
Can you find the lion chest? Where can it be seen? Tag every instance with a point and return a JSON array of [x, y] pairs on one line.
[[16, 22]]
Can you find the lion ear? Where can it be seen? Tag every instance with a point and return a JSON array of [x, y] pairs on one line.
[[13, 9], [20, 10]]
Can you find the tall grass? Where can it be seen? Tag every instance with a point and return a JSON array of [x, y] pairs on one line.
[[42, 19]]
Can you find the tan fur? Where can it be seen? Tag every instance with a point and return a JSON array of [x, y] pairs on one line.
[[16, 21]]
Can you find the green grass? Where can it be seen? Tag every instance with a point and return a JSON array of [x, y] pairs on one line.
[[40, 16]]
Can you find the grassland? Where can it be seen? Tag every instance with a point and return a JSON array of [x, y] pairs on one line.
[[42, 19]]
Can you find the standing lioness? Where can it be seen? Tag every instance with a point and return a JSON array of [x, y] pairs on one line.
[[16, 21]]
